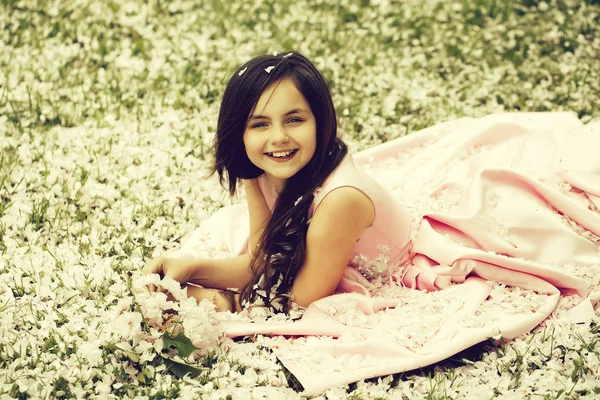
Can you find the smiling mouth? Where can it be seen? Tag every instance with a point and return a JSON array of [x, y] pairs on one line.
[[282, 154]]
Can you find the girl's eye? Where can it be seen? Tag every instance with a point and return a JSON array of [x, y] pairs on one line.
[[294, 120]]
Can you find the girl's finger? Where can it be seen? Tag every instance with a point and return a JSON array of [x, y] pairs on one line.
[[147, 270], [155, 266]]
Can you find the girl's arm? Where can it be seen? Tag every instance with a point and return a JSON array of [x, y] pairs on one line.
[[233, 272], [226, 273], [336, 225], [222, 273]]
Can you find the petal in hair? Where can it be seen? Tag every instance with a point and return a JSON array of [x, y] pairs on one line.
[[269, 69], [242, 71], [287, 55]]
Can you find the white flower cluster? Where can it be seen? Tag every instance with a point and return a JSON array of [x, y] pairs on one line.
[[107, 114]]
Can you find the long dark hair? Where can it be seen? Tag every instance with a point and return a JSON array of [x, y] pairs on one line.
[[282, 246]]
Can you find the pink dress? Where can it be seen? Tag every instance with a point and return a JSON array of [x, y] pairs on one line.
[[382, 247], [498, 218]]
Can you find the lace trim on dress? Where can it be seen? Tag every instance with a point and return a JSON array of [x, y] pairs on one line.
[[379, 267]]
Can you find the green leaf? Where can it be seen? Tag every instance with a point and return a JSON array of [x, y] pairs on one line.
[[181, 342], [180, 369], [130, 354], [145, 377]]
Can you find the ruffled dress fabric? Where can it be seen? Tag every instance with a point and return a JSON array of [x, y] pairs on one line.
[[492, 219]]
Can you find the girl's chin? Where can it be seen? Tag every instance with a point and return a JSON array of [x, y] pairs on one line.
[[277, 179]]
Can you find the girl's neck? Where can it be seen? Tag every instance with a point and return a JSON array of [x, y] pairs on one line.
[[276, 183]]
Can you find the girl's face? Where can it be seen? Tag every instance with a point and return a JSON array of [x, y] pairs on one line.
[[281, 134]]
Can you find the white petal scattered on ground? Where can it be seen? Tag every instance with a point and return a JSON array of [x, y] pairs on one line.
[[107, 115]]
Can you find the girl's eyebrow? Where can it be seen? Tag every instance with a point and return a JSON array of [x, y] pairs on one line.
[[294, 111]]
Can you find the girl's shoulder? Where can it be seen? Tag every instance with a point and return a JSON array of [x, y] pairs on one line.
[[391, 223], [346, 175]]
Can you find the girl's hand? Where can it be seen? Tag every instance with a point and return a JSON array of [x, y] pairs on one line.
[[175, 268]]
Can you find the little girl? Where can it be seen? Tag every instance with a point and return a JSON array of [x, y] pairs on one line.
[[315, 218], [504, 210]]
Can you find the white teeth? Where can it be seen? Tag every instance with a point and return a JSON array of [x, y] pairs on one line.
[[281, 153]]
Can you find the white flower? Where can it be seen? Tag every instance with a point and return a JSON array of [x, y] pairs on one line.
[[174, 287], [112, 183], [153, 305], [140, 282], [128, 325], [27, 385], [250, 378], [91, 351]]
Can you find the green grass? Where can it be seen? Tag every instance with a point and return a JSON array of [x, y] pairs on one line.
[[107, 113]]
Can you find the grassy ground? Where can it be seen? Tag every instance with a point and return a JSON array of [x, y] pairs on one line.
[[107, 111]]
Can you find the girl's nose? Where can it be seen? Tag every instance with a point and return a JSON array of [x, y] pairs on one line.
[[279, 135]]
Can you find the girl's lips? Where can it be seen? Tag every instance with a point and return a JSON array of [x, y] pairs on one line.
[[282, 159]]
